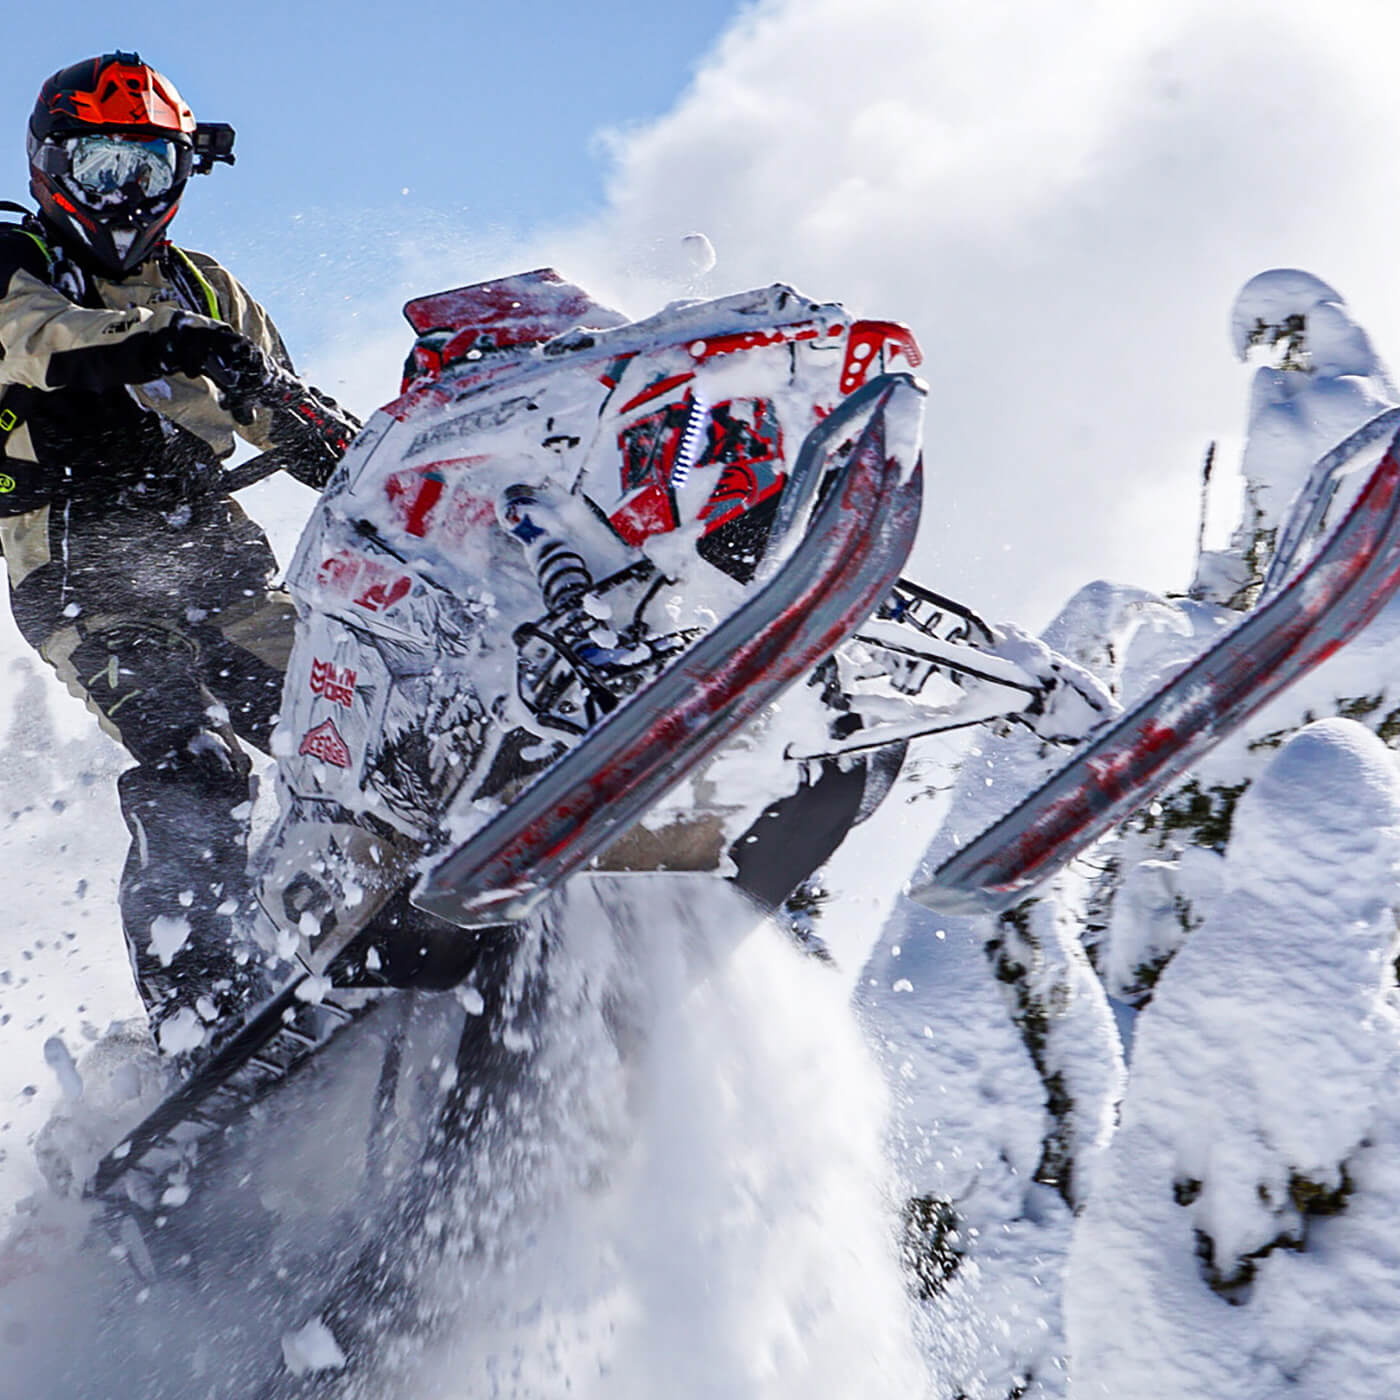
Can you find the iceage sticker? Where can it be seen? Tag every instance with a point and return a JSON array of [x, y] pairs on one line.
[[367, 583], [324, 742]]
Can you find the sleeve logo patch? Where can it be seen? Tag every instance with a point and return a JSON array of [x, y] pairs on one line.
[[7, 484]]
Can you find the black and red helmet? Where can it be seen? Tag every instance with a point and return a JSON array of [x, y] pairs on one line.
[[111, 146]]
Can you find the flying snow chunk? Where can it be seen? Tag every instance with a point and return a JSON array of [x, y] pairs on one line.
[[168, 935], [313, 989], [311, 1348], [182, 1031], [699, 253], [60, 1059]]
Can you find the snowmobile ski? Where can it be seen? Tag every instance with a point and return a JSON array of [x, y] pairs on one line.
[[854, 522], [1317, 612], [1310, 512]]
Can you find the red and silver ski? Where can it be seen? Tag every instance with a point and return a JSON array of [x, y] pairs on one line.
[[1300, 624], [854, 522]]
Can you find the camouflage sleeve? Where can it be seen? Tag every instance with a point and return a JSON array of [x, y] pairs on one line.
[[49, 342], [248, 318]]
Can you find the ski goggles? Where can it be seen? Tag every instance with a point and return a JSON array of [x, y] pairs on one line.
[[103, 168]]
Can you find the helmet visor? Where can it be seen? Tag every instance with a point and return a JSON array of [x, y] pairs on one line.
[[104, 167]]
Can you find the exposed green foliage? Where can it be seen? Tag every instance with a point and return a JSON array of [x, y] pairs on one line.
[[1204, 814], [931, 1244], [1098, 911], [1186, 1189], [1145, 977], [1311, 1198], [1258, 550], [1307, 1201], [1032, 1017]]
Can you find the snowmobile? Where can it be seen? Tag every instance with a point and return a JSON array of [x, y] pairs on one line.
[[573, 560], [597, 615], [602, 622]]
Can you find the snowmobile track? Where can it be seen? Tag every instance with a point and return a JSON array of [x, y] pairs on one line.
[[266, 1050]]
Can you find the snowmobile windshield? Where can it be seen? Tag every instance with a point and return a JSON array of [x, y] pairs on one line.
[[104, 167]]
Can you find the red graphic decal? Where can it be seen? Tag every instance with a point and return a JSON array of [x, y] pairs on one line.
[[742, 438], [380, 596], [335, 685], [368, 583], [324, 742], [647, 452], [648, 513], [413, 494], [867, 341], [339, 571], [428, 496], [758, 340], [654, 391], [745, 441], [609, 377]]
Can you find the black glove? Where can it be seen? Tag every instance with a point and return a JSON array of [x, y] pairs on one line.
[[310, 430], [232, 361]]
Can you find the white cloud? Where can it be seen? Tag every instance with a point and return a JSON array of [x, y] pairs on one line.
[[1062, 200]]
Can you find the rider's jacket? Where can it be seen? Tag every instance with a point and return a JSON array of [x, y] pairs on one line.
[[95, 454]]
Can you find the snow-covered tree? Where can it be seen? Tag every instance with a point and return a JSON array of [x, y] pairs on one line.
[[1255, 1080]]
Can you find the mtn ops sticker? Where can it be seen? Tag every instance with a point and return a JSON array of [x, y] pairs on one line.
[[333, 683], [324, 742]]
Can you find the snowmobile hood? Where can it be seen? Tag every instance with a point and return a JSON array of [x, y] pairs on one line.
[[525, 324]]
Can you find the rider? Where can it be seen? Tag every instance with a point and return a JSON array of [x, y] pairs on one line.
[[128, 366]]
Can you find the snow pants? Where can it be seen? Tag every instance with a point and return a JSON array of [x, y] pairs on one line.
[[169, 629]]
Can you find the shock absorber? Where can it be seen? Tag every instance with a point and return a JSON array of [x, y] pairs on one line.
[[556, 656], [561, 572]]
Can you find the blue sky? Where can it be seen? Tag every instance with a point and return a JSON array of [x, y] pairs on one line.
[[1061, 199], [487, 114]]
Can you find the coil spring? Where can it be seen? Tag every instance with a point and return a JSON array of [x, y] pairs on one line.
[[562, 574]]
